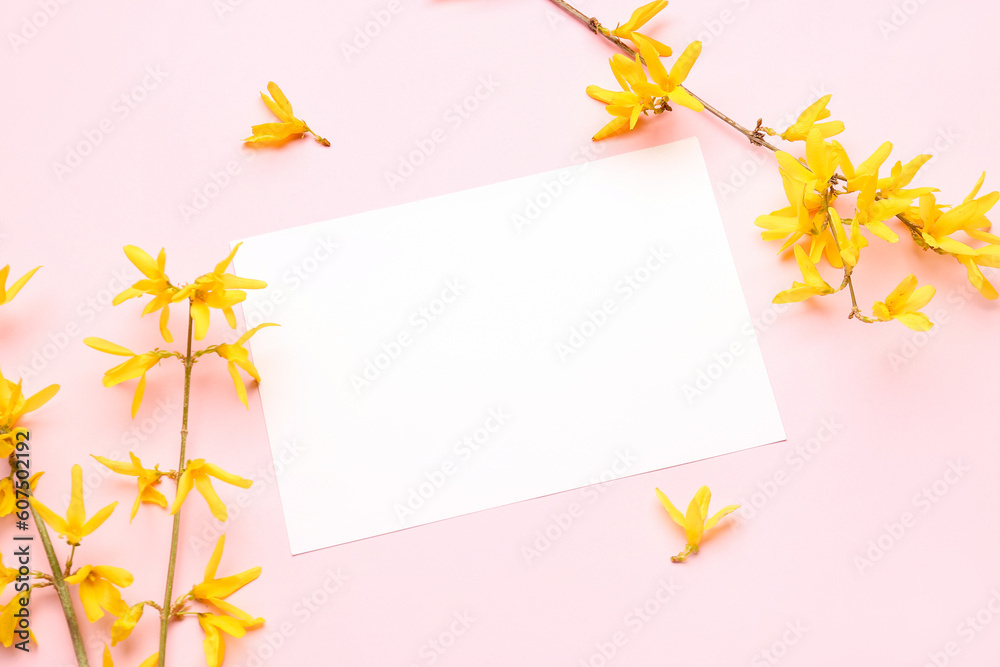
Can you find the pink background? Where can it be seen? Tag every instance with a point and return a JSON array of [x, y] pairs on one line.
[[886, 413]]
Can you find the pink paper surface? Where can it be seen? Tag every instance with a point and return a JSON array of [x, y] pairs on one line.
[[890, 446]]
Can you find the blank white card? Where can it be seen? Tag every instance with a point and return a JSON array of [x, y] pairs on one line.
[[495, 345]]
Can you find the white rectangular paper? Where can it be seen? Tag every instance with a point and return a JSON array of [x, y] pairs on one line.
[[503, 343]]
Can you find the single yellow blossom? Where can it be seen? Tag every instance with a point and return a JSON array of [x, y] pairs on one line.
[[237, 355], [638, 94], [136, 367], [814, 284], [214, 591], [694, 523], [903, 303], [9, 615], [7, 294], [639, 18], [872, 212], [125, 623], [213, 626], [290, 126], [806, 122], [219, 290], [147, 479], [75, 526], [13, 406], [197, 473], [8, 495], [900, 176], [867, 169], [98, 592], [156, 284]]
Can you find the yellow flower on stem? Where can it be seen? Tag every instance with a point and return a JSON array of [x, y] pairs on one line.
[[868, 169], [10, 614], [75, 526], [13, 406], [7, 294], [213, 626], [8, 496], [197, 474], [639, 18], [214, 591], [694, 522], [125, 623], [135, 367], [806, 121], [98, 593], [237, 355], [638, 94], [289, 127], [219, 290], [814, 284], [903, 303], [900, 176], [147, 479], [156, 284], [873, 212]]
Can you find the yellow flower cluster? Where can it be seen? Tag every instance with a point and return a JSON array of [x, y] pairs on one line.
[[100, 586], [814, 228], [217, 289], [644, 88]]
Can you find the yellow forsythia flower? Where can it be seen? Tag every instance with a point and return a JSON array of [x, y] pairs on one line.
[[814, 284], [125, 623], [237, 355], [639, 95], [197, 474], [290, 126], [213, 626], [75, 526], [97, 589], [136, 366], [13, 406], [147, 479], [806, 121], [214, 591], [219, 290], [156, 284], [639, 18], [8, 293], [694, 522], [904, 302]]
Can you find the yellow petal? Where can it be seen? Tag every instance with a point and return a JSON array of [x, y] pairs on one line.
[[674, 513], [684, 63], [728, 509], [694, 522], [102, 345], [12, 291], [142, 261], [279, 97], [215, 504]]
